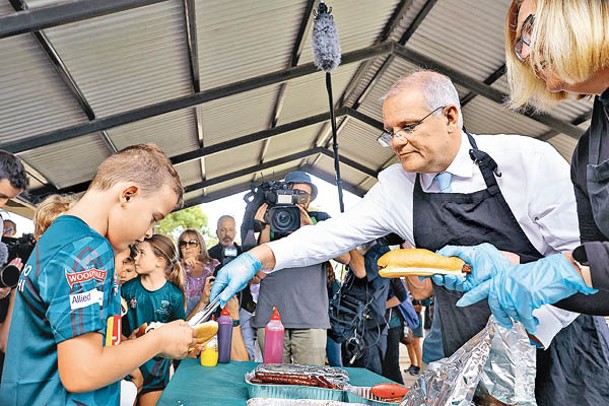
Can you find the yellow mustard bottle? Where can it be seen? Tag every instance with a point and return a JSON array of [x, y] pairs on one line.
[[209, 356]]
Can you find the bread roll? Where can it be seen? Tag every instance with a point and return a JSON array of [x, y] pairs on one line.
[[205, 331], [417, 262]]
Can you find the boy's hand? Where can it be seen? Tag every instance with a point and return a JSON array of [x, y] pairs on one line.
[[176, 338]]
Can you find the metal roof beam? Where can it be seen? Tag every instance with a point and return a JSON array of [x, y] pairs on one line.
[[492, 78], [63, 13], [251, 170], [485, 90], [186, 101], [417, 21], [332, 180], [193, 59], [350, 162], [212, 149], [257, 136], [244, 187], [305, 26]]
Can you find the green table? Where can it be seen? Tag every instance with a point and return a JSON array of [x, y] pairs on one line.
[[225, 384]]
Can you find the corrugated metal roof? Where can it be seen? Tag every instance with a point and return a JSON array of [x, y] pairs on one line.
[[414, 8], [237, 40], [238, 115], [349, 175], [483, 116], [129, 59], [306, 96], [175, 132], [69, 162], [33, 99], [136, 58], [292, 141], [190, 172], [233, 160], [358, 142], [465, 35]]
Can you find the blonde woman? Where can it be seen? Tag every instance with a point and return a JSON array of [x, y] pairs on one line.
[[198, 266], [558, 50]]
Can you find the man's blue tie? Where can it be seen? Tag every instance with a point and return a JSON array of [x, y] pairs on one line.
[[444, 179]]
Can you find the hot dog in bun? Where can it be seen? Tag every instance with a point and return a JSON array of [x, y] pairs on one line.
[[418, 262]]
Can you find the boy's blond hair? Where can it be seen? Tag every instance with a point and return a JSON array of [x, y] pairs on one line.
[[569, 37], [145, 164], [49, 209]]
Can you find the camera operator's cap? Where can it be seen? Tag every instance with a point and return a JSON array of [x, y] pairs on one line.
[[302, 177]]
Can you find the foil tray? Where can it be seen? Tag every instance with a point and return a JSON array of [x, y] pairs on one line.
[[362, 394], [295, 392], [298, 402]]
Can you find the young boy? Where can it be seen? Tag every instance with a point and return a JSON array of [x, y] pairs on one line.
[[66, 323]]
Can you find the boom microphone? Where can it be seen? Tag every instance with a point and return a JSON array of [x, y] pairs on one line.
[[326, 49]]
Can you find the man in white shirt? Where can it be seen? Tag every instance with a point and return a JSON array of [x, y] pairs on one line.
[[451, 188]]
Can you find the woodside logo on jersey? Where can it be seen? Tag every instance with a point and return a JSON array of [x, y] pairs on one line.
[[86, 275]]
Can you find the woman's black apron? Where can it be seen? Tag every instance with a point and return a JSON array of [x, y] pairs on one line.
[[574, 369]]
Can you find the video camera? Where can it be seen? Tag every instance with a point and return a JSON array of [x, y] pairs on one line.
[[283, 215], [10, 249]]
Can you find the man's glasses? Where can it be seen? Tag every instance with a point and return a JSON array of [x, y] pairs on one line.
[[190, 243], [525, 38], [405, 133]]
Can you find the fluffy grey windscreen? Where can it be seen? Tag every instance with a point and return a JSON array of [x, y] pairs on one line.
[[3, 253], [326, 49]]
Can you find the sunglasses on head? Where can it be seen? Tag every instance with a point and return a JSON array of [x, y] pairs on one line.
[[190, 243]]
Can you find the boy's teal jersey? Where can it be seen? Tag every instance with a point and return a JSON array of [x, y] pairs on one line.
[[67, 288], [144, 306]]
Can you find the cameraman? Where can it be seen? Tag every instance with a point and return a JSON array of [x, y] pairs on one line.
[[300, 294], [13, 181]]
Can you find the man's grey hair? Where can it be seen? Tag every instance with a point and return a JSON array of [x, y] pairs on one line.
[[438, 90], [225, 217]]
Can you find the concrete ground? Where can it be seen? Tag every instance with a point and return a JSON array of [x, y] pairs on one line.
[[404, 364]]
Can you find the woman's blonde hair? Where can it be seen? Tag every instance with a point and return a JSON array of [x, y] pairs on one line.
[[165, 248], [49, 209], [191, 233], [569, 37], [145, 164]]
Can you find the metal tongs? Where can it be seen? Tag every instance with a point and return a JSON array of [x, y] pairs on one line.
[[202, 316]]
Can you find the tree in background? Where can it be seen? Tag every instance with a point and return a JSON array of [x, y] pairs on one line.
[[178, 221]]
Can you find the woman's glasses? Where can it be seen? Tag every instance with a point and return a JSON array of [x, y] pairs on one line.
[[189, 243], [525, 38]]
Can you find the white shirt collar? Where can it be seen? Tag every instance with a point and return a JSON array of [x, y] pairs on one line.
[[462, 166]]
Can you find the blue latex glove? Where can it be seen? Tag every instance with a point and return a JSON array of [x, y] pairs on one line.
[[234, 276], [486, 261], [518, 290]]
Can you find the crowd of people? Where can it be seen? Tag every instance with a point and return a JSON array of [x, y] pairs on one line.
[[534, 231]]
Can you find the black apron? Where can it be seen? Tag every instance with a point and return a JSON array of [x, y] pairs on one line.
[[442, 219], [598, 172]]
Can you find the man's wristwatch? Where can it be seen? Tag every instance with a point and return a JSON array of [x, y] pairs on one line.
[[236, 323], [581, 260]]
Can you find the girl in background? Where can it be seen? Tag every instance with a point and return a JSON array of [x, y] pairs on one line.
[[156, 295], [198, 265]]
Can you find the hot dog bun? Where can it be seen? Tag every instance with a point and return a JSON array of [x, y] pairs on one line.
[[205, 331], [417, 262]]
